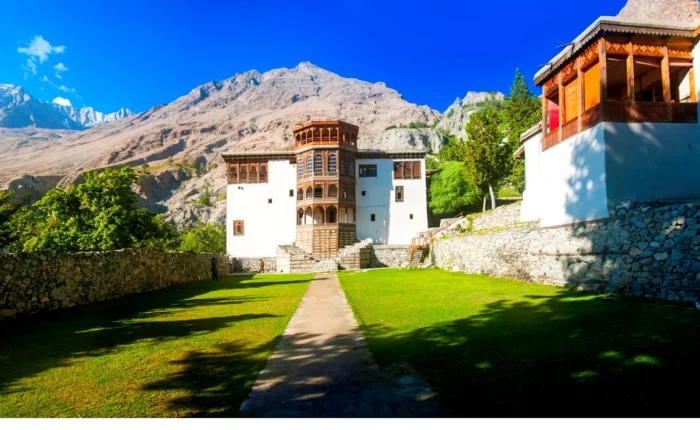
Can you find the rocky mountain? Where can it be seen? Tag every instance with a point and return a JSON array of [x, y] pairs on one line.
[[666, 10], [181, 141], [19, 109], [457, 115]]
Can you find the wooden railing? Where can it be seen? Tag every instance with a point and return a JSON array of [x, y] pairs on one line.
[[551, 139], [625, 111]]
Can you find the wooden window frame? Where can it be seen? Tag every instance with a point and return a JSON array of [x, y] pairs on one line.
[[407, 170], [236, 224], [367, 169], [399, 194]]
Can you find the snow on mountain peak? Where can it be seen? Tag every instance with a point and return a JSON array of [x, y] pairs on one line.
[[61, 101]]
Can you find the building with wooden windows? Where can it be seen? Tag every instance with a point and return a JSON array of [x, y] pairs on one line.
[[324, 195], [619, 118]]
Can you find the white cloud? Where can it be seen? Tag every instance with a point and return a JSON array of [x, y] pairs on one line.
[[67, 90], [29, 68], [40, 49], [45, 79], [61, 101], [60, 68]]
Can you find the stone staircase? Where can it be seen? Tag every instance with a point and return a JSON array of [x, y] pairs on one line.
[[356, 256], [291, 259]]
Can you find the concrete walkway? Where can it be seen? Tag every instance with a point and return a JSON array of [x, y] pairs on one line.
[[323, 368]]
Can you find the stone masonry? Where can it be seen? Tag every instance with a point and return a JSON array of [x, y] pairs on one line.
[[642, 249], [252, 264], [37, 281]]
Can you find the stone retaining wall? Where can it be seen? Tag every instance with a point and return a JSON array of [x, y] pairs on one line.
[[252, 264], [389, 256], [643, 249], [35, 282]]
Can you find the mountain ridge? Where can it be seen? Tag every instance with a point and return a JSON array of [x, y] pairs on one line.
[[249, 111]]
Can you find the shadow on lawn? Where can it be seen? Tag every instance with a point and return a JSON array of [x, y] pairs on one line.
[[34, 344], [572, 355]]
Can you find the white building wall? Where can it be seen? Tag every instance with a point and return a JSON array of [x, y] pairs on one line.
[[267, 225], [529, 209], [393, 224], [569, 183]]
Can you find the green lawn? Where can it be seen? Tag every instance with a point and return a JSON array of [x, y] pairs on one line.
[[495, 347], [189, 350]]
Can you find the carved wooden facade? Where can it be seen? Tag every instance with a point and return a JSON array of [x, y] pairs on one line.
[[568, 85]]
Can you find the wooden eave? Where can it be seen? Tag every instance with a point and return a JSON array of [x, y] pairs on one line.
[[605, 26], [390, 154], [324, 124], [250, 156]]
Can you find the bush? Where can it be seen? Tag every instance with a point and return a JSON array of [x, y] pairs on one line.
[[204, 238]]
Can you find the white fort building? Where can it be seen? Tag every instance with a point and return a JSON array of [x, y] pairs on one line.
[[323, 196]]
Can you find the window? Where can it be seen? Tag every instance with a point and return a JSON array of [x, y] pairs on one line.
[[263, 173], [591, 86], [571, 101], [332, 164], [368, 170], [331, 216], [243, 174], [233, 174], [407, 170], [332, 191], [364, 193], [343, 163], [351, 165], [253, 173], [399, 193], [238, 229], [371, 217], [309, 165], [291, 193], [300, 194], [318, 164], [410, 216], [318, 192], [300, 167], [269, 201]]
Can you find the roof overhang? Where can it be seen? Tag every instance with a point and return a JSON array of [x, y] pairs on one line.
[[609, 24], [390, 154], [258, 156]]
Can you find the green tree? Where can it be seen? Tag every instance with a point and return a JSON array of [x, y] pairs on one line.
[[205, 197], [486, 157], [15, 222], [521, 110], [451, 190], [97, 215], [204, 238]]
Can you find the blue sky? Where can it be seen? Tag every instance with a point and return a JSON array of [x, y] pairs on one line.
[[138, 54]]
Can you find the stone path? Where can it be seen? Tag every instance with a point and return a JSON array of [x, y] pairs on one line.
[[323, 368]]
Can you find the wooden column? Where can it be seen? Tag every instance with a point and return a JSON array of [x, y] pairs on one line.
[[545, 112], [581, 93], [603, 60], [691, 78], [630, 82], [666, 82], [561, 105]]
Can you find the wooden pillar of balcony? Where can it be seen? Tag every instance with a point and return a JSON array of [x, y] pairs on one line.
[[691, 78], [666, 82], [630, 83], [545, 113], [603, 60], [561, 106], [581, 93]]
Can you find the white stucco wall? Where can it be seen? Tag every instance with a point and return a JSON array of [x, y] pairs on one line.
[[529, 209], [571, 181], [266, 224], [393, 223]]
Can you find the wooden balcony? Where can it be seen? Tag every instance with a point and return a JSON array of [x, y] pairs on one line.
[[624, 111]]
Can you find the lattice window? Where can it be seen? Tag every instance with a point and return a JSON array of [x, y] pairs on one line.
[[332, 164], [309, 165], [368, 170], [318, 164], [343, 163], [407, 170], [351, 165], [300, 167], [263, 172], [233, 174], [399, 193]]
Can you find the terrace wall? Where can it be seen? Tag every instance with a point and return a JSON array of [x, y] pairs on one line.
[[38, 281], [642, 249]]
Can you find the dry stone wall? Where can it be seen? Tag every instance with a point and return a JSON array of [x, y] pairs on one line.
[[35, 282], [643, 249], [389, 256], [252, 265]]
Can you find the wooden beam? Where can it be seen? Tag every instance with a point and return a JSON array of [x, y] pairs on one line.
[[691, 79], [603, 60], [581, 93], [630, 81], [545, 113], [666, 81], [561, 106]]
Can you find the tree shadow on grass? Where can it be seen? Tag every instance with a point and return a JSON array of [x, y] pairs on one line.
[[33, 344], [570, 355]]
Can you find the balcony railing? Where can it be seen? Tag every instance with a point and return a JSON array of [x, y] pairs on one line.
[[625, 111]]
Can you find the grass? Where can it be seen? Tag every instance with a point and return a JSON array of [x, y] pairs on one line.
[[188, 350], [496, 347]]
